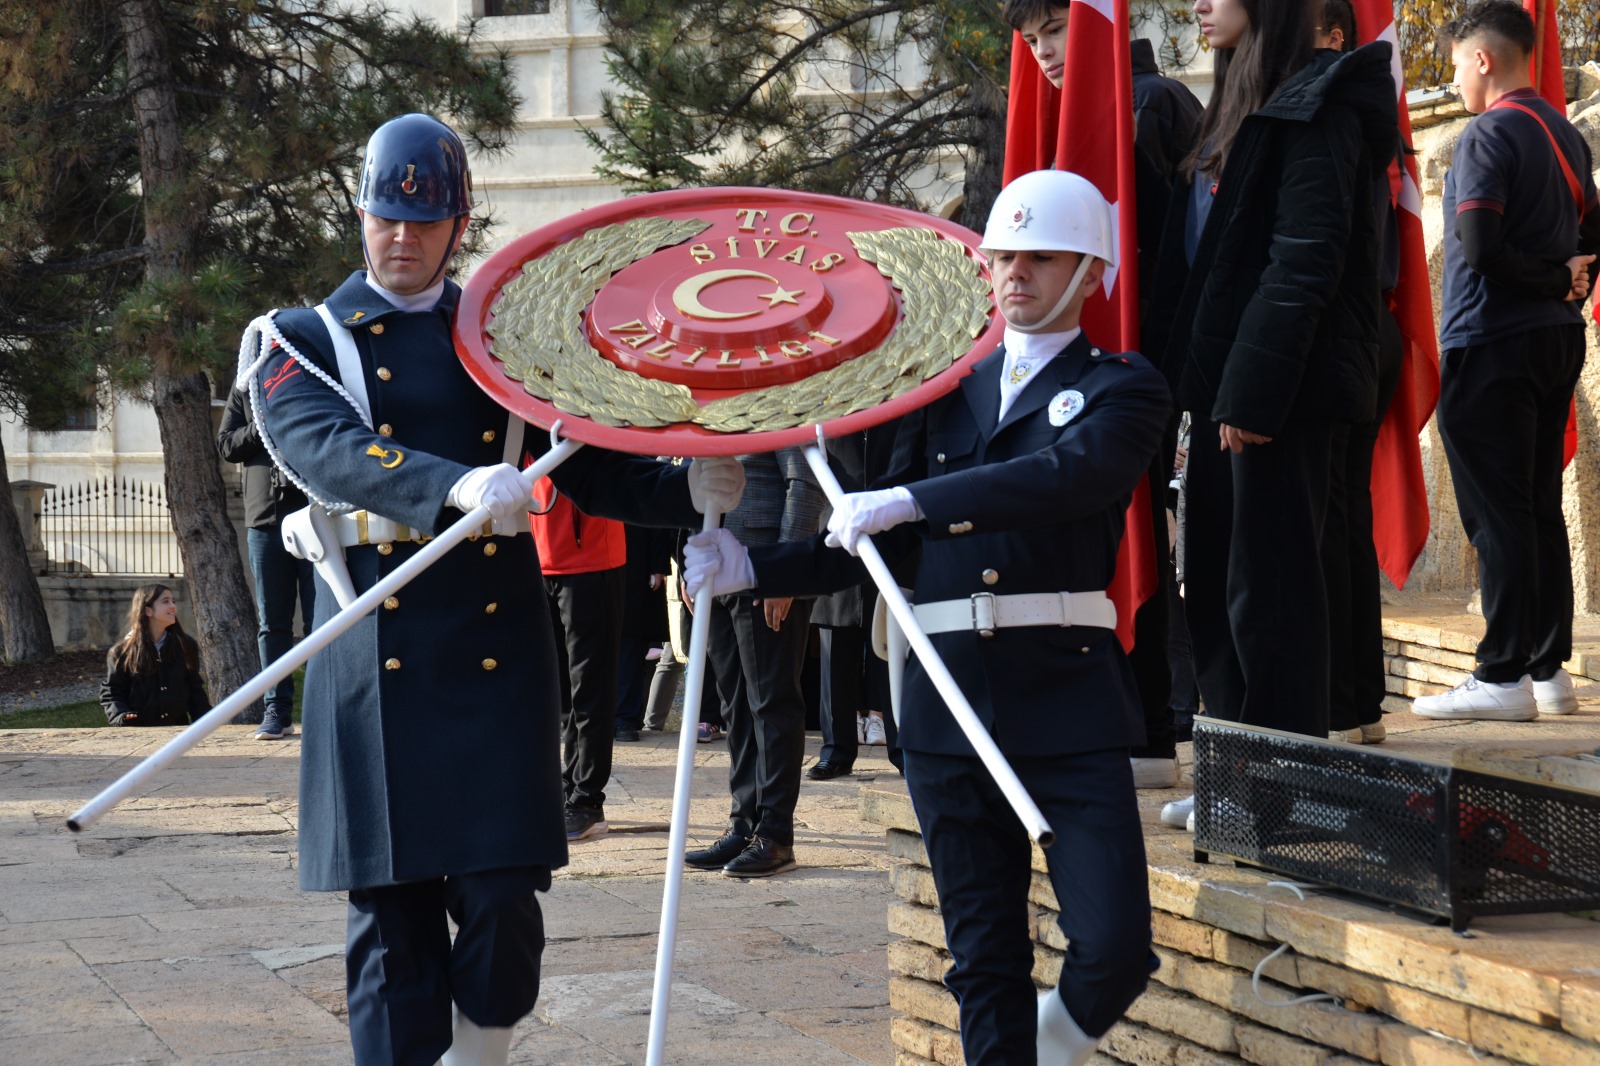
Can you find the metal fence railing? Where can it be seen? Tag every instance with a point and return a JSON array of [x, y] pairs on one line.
[[109, 526], [1418, 22]]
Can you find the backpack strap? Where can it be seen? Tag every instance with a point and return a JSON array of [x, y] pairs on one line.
[[1574, 186]]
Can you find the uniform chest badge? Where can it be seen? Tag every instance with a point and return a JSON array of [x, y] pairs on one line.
[[1065, 407]]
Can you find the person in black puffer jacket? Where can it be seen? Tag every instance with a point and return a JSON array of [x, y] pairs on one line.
[[153, 673], [1266, 319]]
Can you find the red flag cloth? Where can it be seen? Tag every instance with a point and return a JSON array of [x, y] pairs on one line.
[[1399, 491], [1544, 70], [1087, 128]]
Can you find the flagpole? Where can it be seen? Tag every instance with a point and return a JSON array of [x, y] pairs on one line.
[[994, 761]]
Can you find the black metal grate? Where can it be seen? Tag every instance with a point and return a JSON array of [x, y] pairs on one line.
[[1448, 842]]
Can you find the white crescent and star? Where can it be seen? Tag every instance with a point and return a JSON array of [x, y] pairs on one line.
[[687, 295]]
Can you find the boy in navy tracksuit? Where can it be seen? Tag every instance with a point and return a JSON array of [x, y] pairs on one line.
[[1521, 217]]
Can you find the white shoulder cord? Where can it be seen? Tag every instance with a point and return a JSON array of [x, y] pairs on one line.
[[254, 350]]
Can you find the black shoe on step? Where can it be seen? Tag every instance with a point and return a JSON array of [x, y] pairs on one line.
[[719, 854], [827, 771], [762, 858]]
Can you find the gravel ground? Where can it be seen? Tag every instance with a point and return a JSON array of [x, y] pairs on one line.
[[70, 677]]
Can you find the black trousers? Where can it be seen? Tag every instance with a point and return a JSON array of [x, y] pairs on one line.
[[1254, 595], [843, 651], [981, 857], [1350, 560], [758, 679], [587, 612], [402, 971], [1502, 414]]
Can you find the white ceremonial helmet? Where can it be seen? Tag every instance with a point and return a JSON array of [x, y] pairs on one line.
[[1052, 211]]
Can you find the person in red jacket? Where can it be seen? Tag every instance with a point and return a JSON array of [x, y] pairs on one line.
[[582, 559]]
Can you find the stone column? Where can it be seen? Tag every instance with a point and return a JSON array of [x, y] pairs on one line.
[[28, 499]]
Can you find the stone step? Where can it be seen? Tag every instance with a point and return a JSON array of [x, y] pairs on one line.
[[1520, 989]]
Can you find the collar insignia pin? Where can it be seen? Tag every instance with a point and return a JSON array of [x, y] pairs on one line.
[[357, 317]]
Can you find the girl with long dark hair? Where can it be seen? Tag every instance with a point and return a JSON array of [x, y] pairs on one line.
[[153, 672], [1265, 319]]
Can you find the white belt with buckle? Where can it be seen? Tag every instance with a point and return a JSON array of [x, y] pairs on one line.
[[363, 527], [985, 612]]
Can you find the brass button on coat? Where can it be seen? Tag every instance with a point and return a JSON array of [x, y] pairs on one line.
[[377, 329], [386, 430], [391, 603], [488, 436], [385, 548], [392, 664], [491, 609], [383, 373], [490, 548], [991, 576], [489, 664], [940, 457]]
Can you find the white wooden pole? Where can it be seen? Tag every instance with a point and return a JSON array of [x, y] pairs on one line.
[[224, 712], [1004, 776], [694, 679]]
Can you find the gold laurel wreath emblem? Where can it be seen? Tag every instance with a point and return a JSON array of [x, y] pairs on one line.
[[537, 333]]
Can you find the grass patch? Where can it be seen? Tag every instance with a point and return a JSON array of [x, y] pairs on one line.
[[85, 715], [89, 714]]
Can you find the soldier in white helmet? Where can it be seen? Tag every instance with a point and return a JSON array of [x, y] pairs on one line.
[[1014, 488]]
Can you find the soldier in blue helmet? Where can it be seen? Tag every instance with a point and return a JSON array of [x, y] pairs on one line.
[[430, 773]]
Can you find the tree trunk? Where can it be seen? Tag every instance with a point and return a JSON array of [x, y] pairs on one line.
[[223, 608], [23, 621], [986, 162]]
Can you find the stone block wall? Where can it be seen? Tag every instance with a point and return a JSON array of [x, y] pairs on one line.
[[1398, 991]]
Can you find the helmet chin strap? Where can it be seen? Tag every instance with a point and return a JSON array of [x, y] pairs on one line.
[[1043, 325]]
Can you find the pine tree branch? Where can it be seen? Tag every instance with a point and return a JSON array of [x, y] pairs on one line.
[[86, 265]]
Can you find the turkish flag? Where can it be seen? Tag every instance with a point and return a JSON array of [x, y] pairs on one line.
[[1087, 128], [1544, 69], [1399, 492]]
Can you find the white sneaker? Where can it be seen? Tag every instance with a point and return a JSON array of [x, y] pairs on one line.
[[1488, 701], [1154, 773], [1554, 696], [873, 730], [861, 729], [1179, 814]]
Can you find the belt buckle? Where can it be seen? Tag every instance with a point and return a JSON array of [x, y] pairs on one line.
[[1066, 609], [983, 614]]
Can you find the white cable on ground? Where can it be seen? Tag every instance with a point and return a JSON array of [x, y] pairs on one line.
[[1255, 975]]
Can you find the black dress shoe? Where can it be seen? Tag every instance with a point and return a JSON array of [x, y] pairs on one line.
[[719, 854], [627, 735], [827, 771], [762, 858]]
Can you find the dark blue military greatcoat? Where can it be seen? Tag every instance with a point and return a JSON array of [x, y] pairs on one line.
[[431, 735]]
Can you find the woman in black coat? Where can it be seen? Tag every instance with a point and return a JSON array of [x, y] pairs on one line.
[[153, 673], [1265, 319]]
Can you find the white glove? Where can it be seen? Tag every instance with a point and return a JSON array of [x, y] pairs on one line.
[[716, 481], [714, 562], [859, 514], [499, 488]]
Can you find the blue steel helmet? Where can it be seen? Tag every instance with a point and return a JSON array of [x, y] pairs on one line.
[[415, 170]]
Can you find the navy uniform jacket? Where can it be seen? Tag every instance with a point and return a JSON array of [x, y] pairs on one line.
[[1040, 505], [431, 741]]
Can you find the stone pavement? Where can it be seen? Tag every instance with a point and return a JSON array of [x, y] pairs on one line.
[[174, 931]]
